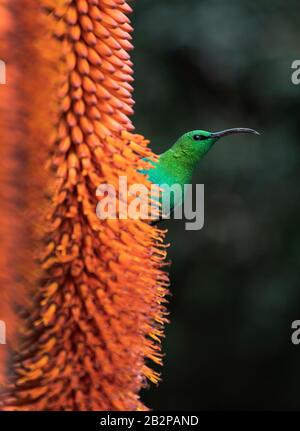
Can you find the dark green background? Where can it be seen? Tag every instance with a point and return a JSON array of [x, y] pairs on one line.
[[214, 64]]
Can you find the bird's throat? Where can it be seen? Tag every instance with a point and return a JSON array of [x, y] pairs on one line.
[[177, 167]]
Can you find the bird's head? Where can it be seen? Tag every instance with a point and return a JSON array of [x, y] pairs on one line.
[[197, 143]]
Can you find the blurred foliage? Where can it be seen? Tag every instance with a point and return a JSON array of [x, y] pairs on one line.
[[214, 64]]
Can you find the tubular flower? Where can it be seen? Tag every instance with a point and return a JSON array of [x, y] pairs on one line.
[[97, 313]]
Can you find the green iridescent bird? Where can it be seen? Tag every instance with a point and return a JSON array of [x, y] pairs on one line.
[[177, 165]]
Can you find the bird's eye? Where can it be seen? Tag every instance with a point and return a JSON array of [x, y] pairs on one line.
[[198, 137]]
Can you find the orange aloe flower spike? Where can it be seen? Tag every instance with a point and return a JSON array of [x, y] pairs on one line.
[[98, 312]]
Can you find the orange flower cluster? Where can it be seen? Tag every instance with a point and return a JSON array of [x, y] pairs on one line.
[[97, 313], [24, 128], [8, 227]]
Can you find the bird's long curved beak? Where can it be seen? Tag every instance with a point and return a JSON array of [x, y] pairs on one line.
[[233, 131]]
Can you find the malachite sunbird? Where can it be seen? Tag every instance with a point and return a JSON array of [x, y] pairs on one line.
[[176, 165]]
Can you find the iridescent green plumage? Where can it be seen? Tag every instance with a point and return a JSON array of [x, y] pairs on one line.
[[177, 165]]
